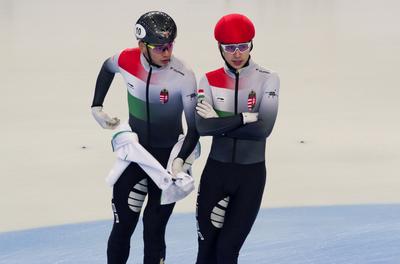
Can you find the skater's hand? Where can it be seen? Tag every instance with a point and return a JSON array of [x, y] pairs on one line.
[[249, 117], [177, 166], [103, 119], [205, 110]]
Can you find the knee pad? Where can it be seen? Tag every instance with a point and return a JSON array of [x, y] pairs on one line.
[[217, 216], [137, 196]]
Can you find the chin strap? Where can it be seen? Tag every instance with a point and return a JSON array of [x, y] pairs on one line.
[[149, 60]]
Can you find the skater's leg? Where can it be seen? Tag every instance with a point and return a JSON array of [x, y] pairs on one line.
[[155, 217], [241, 213], [211, 205], [129, 193]]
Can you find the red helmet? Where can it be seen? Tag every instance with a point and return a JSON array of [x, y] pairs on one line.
[[234, 28]]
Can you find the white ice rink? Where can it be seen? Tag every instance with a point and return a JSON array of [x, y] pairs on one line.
[[338, 61]]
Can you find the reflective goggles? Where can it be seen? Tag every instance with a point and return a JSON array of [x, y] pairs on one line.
[[160, 48], [231, 48]]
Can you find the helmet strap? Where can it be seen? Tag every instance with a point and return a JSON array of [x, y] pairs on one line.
[[149, 60]]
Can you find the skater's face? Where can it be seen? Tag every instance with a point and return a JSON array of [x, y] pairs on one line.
[[160, 54], [236, 54]]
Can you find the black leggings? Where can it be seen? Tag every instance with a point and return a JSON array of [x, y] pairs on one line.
[[128, 196], [228, 202]]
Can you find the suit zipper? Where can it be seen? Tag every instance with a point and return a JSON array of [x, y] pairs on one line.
[[236, 111], [148, 106]]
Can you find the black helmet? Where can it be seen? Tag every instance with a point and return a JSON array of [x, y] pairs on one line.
[[156, 28]]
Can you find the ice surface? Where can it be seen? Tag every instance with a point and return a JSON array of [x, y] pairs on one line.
[[368, 234]]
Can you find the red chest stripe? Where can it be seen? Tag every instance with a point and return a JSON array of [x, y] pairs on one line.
[[220, 79]]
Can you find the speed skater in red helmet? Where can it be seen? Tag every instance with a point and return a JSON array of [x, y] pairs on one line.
[[237, 106]]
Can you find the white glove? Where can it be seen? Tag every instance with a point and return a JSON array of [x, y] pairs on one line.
[[249, 117], [205, 110], [177, 166], [103, 119]]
